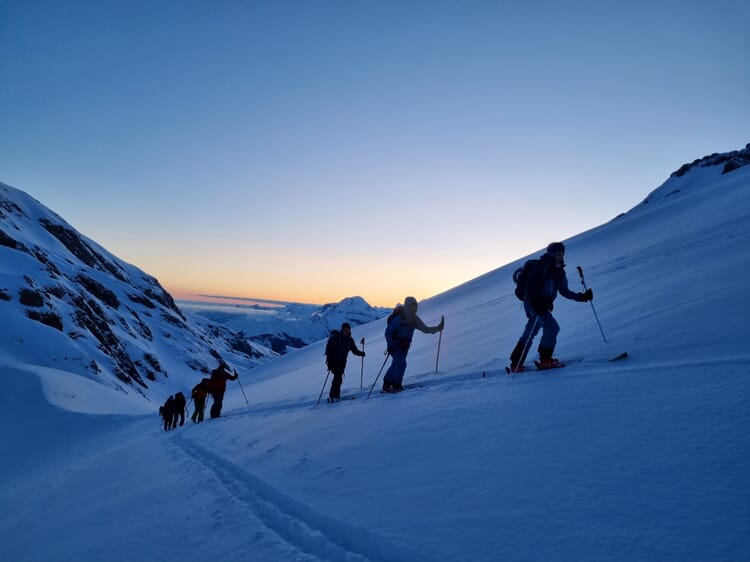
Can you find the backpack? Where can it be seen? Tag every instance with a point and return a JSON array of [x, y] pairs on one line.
[[521, 278], [398, 311], [202, 389], [333, 341]]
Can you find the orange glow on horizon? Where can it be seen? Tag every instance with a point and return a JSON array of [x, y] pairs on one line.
[[380, 284], [235, 295]]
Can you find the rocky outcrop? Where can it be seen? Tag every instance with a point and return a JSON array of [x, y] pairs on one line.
[[729, 161]]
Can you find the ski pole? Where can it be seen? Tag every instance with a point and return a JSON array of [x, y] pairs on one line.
[[585, 288], [324, 387], [242, 389], [440, 339], [529, 339], [379, 373], [362, 369]]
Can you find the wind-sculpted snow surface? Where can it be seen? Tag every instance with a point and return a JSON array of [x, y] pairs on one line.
[[639, 459], [306, 532]]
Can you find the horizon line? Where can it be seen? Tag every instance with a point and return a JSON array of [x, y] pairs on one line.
[[250, 299]]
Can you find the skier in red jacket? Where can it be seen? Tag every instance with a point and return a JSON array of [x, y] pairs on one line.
[[219, 377]]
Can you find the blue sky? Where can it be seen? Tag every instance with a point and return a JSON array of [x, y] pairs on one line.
[[311, 151]]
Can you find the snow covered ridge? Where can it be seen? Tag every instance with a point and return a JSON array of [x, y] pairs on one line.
[[354, 310], [731, 161], [696, 176], [68, 303]]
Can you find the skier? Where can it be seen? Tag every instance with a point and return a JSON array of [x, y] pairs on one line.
[[219, 377], [398, 335], [544, 279], [179, 409], [167, 412], [339, 344], [200, 393]]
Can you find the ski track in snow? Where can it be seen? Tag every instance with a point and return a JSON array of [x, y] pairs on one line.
[[312, 535]]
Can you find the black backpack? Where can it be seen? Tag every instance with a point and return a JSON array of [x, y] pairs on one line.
[[332, 343], [396, 312], [521, 277]]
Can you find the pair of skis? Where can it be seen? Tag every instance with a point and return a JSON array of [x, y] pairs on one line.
[[560, 364]]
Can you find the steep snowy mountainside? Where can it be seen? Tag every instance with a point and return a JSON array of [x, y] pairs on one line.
[[69, 304], [665, 250], [631, 460], [641, 459]]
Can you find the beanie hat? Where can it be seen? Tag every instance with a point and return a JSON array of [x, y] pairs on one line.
[[555, 247], [346, 325]]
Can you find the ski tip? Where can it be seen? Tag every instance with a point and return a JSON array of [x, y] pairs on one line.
[[619, 356]]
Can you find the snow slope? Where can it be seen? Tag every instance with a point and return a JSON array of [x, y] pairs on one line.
[[641, 459]]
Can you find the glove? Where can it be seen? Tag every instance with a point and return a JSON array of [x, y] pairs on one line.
[[391, 350], [442, 323], [540, 307], [588, 295], [363, 354], [404, 344]]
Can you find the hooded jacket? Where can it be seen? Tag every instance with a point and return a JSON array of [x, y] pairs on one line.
[[400, 329], [545, 281]]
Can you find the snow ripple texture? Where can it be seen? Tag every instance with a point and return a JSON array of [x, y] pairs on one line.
[[310, 535]]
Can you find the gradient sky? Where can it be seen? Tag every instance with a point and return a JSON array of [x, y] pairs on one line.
[[313, 150]]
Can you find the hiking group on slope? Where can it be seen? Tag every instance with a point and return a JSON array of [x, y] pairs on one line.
[[173, 411], [537, 284], [214, 386]]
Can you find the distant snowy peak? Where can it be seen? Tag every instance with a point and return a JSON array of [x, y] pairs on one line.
[[106, 317], [288, 326], [354, 310], [302, 325]]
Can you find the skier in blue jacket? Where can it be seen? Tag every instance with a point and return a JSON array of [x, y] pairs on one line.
[[545, 279], [398, 335]]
